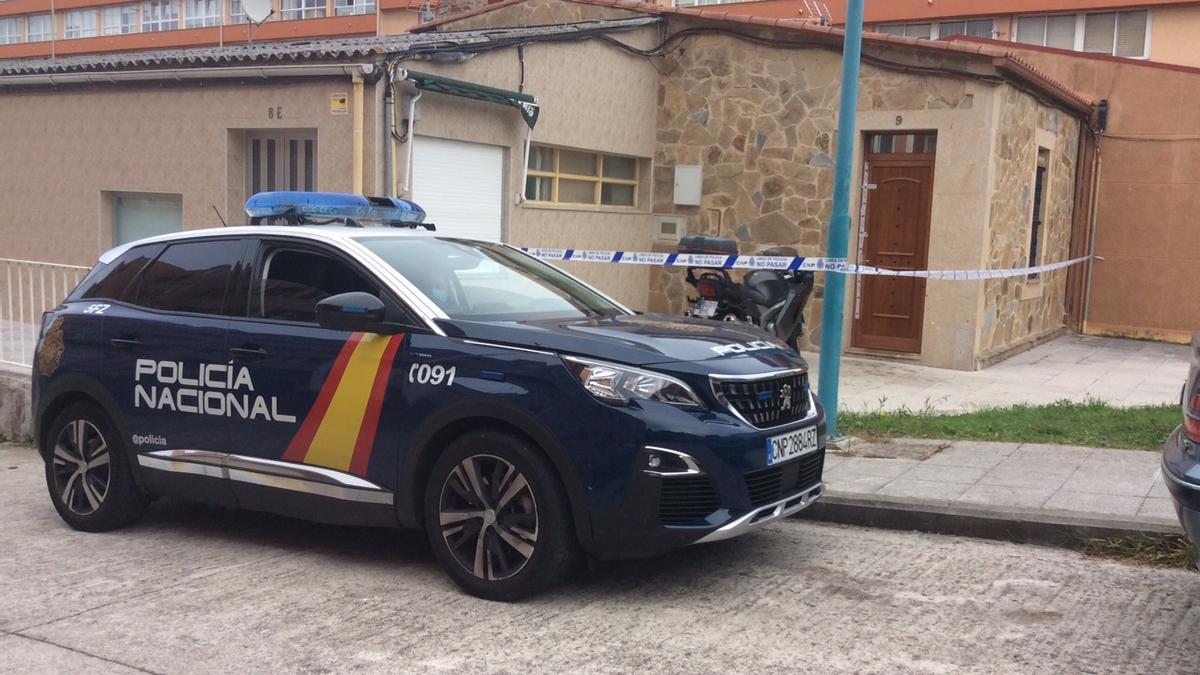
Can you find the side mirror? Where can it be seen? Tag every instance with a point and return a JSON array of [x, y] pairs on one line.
[[354, 311]]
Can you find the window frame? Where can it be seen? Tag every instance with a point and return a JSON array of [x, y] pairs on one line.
[[935, 27], [1081, 30], [353, 7], [598, 178], [46, 36], [86, 286], [1037, 219], [118, 11], [304, 9], [159, 25], [134, 291], [17, 21], [203, 20], [262, 249], [83, 31]]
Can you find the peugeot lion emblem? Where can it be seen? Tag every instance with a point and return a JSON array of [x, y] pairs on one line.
[[785, 397]]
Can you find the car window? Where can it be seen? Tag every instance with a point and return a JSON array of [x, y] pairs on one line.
[[482, 281], [114, 281], [190, 277], [295, 281]]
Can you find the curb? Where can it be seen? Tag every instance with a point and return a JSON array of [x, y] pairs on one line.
[[1014, 524]]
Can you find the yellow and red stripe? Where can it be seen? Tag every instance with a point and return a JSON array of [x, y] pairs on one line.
[[339, 430]]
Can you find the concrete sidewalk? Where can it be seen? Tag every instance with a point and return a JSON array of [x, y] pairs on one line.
[[1027, 492], [1073, 367]]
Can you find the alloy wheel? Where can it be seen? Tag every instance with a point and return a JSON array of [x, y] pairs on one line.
[[488, 517], [81, 467]]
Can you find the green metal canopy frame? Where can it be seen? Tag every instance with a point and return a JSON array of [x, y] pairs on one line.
[[527, 105], [524, 103]]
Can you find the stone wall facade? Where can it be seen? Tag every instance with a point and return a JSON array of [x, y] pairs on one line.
[[760, 120], [762, 124], [1019, 311]]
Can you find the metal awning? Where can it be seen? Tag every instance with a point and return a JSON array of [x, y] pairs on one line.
[[524, 103]]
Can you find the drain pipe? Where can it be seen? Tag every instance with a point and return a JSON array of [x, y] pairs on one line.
[[379, 129], [1087, 289], [412, 139], [389, 142], [357, 152]]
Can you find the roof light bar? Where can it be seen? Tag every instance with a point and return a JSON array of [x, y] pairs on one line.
[[324, 208]]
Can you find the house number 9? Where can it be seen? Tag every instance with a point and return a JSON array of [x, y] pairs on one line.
[[275, 112]]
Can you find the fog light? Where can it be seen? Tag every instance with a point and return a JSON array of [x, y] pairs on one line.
[[666, 462]]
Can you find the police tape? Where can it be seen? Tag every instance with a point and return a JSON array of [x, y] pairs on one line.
[[786, 263]]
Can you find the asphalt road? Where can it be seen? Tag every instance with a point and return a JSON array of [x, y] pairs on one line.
[[193, 589]]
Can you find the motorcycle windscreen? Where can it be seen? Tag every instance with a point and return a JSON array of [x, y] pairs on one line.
[[791, 320]]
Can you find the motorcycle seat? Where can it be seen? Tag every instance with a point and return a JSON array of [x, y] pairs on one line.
[[787, 251], [698, 243]]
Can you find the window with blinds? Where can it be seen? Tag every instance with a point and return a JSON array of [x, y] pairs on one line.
[[1060, 32], [1113, 33], [1056, 31], [1098, 30], [1131, 34]]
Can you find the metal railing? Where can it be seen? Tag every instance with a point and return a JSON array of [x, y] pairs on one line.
[[28, 288]]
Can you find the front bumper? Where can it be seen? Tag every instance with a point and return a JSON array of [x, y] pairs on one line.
[[1181, 474], [766, 514], [724, 490]]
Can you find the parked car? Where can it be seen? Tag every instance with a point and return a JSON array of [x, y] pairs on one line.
[[1181, 454], [385, 376]]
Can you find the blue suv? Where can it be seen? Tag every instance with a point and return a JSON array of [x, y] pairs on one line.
[[384, 376]]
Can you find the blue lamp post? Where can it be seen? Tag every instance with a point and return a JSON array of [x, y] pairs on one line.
[[839, 224]]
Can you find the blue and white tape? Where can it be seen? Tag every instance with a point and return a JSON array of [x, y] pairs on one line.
[[770, 262]]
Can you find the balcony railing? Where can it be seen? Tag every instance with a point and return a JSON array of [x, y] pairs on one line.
[[27, 289]]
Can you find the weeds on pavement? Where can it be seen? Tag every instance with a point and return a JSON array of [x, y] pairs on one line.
[[1160, 550]]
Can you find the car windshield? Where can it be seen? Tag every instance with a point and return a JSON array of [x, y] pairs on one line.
[[482, 281]]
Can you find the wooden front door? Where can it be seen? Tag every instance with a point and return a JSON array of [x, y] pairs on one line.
[[889, 311]]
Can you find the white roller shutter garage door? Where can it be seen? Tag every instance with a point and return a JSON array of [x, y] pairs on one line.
[[460, 185]]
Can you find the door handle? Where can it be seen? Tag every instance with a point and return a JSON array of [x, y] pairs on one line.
[[125, 343], [247, 353]]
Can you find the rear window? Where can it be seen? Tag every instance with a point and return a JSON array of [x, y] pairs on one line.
[[190, 277], [114, 281]]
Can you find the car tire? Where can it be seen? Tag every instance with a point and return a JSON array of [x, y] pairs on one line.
[[88, 473], [497, 517]]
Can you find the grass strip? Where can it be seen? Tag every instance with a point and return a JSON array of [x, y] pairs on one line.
[[1093, 423]]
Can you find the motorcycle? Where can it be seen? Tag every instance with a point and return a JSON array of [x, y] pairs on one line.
[[773, 300]]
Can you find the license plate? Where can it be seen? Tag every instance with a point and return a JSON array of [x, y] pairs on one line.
[[793, 444], [705, 309]]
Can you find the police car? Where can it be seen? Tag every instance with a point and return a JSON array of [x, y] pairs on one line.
[[384, 375]]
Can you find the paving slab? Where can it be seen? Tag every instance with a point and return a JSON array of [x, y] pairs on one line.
[[1119, 371], [1056, 488], [980, 455]]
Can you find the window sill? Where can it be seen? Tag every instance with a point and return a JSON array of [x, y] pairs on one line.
[[622, 210]]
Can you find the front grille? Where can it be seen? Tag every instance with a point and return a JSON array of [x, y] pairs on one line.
[[686, 499], [769, 402], [776, 482]]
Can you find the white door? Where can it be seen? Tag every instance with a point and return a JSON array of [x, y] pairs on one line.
[[460, 185]]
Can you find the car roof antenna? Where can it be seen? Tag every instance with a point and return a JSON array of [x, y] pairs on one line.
[[223, 223]]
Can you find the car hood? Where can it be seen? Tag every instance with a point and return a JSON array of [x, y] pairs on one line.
[[638, 339]]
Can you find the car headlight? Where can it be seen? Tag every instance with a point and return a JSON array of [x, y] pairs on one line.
[[622, 384]]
